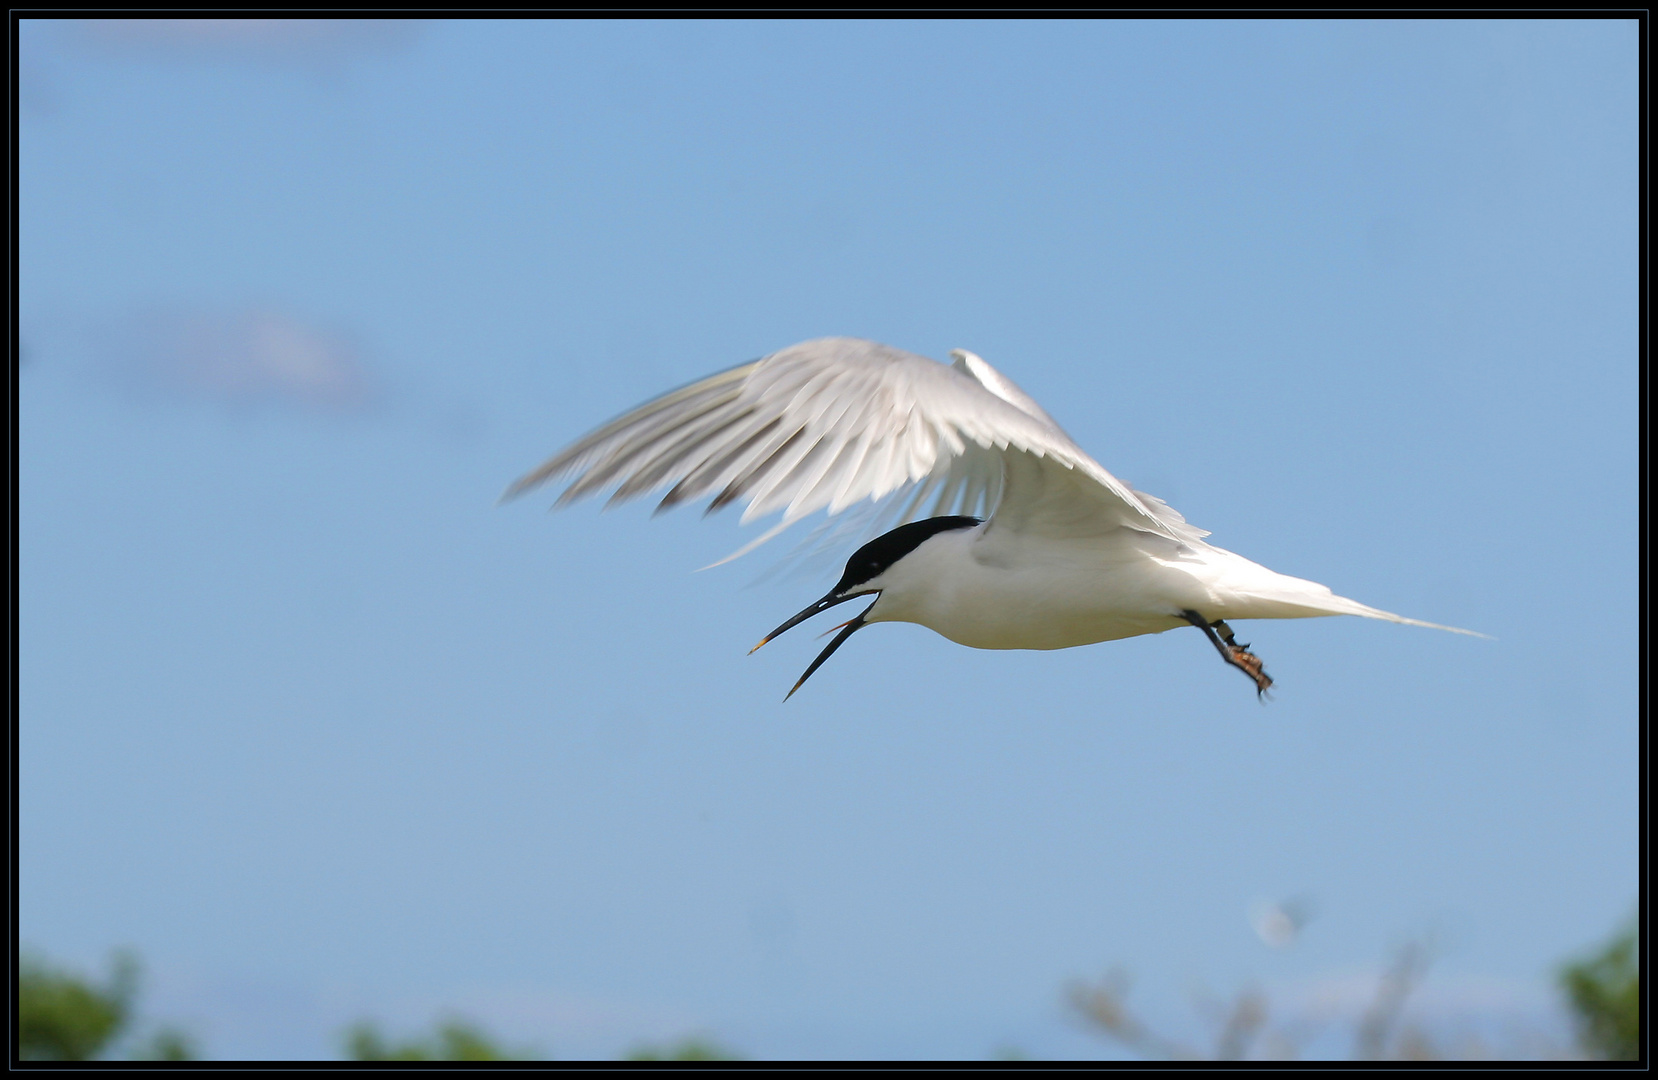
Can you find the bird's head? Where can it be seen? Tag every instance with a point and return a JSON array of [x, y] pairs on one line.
[[863, 576], [869, 563]]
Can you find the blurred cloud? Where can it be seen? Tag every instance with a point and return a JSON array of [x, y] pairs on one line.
[[36, 88], [247, 358], [305, 42], [37, 77], [1279, 923]]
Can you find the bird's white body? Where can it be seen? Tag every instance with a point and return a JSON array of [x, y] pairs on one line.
[[1015, 591], [1066, 553]]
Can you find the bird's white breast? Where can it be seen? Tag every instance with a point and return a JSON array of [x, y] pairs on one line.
[[1007, 590], [1017, 592]]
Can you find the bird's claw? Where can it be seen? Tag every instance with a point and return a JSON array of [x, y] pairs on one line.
[[1251, 665], [1241, 658]]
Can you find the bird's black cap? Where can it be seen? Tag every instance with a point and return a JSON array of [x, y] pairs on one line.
[[874, 558], [866, 564]]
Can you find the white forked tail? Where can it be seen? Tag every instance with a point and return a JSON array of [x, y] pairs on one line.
[[1377, 613], [1265, 586]]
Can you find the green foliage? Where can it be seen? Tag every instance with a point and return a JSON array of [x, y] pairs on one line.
[[456, 1040], [64, 1018], [694, 1048], [168, 1044], [1605, 992]]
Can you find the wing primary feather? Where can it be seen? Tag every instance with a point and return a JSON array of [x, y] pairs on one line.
[[626, 462], [863, 478], [772, 490], [564, 459], [775, 472], [610, 459], [737, 485], [814, 491], [707, 474], [649, 473]]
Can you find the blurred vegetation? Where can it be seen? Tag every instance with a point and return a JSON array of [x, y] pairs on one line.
[[1244, 1028], [1603, 991], [63, 1016], [455, 1040], [66, 1017], [168, 1044], [696, 1048], [1605, 994], [458, 1040]]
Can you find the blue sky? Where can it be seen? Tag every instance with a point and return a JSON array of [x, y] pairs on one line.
[[323, 732]]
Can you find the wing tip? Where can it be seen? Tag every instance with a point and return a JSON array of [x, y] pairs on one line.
[[516, 488]]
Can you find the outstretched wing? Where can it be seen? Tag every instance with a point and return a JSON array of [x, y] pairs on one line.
[[828, 423]]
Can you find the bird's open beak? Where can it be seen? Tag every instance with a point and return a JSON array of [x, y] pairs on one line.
[[847, 629], [822, 605]]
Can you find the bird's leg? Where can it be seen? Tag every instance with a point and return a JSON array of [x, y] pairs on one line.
[[1226, 643], [1243, 658]]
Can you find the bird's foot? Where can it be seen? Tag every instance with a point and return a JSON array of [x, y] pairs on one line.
[[1226, 643], [1241, 658], [1250, 664]]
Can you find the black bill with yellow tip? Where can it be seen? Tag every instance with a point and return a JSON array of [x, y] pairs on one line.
[[822, 605]]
